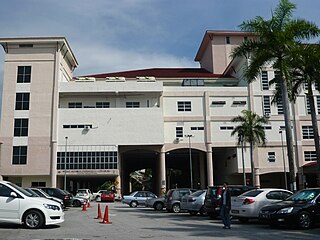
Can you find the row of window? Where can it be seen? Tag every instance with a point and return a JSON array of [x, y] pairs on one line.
[[308, 156]]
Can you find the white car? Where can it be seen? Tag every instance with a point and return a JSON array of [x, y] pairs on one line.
[[84, 193], [248, 204], [18, 206]]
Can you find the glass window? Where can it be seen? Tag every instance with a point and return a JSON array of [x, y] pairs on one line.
[[274, 195], [308, 105], [102, 104], [310, 155], [132, 104], [21, 127], [184, 106], [179, 132], [228, 40], [252, 193], [264, 80], [5, 191], [280, 106], [22, 101], [19, 155], [266, 105], [307, 132], [75, 104], [271, 156], [24, 74]]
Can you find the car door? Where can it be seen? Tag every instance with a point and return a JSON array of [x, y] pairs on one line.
[[9, 206], [317, 208], [141, 197]]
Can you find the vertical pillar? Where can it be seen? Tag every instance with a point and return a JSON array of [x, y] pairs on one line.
[[202, 173], [209, 165], [0, 161], [162, 171], [257, 177], [53, 173], [119, 177], [118, 186]]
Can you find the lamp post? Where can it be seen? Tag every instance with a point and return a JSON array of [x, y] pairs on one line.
[[190, 158], [65, 165], [284, 161], [242, 153]]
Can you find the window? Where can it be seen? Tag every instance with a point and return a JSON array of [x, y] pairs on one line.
[[307, 132], [193, 82], [132, 104], [5, 191], [267, 127], [266, 105], [21, 127], [197, 128], [264, 80], [102, 105], [226, 127], [38, 184], [19, 155], [280, 106], [24, 74], [275, 195], [228, 40], [78, 126], [218, 103], [22, 101], [310, 155], [318, 104], [308, 105], [239, 103], [271, 156], [184, 106], [75, 104], [179, 132]]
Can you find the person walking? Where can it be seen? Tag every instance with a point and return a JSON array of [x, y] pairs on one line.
[[225, 206]]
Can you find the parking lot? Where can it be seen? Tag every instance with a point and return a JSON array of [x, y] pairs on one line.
[[145, 223]]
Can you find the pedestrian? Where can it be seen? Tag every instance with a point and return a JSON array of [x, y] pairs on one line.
[[225, 206]]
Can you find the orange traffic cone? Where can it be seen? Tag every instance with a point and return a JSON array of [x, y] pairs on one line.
[[89, 205], [106, 216], [99, 212], [84, 207]]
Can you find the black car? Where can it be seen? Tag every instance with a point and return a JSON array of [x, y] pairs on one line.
[[57, 192], [173, 198], [212, 200], [302, 209]]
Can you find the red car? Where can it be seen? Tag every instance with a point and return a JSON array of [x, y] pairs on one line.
[[107, 196]]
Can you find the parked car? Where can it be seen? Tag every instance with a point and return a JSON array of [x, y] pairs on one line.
[[76, 201], [41, 193], [156, 203], [137, 198], [18, 206], [173, 198], [249, 204], [107, 196], [302, 209], [85, 193], [194, 203], [59, 193], [212, 201]]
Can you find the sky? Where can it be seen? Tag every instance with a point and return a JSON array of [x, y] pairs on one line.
[[121, 35]]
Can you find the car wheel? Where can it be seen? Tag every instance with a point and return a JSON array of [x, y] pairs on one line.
[[158, 206], [176, 208], [133, 204], [304, 220], [193, 213], [243, 220], [76, 203], [33, 219], [98, 199]]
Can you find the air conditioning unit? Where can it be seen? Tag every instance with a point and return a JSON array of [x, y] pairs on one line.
[[86, 127], [267, 115]]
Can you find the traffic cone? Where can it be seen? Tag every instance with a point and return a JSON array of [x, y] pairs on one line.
[[84, 207], [106, 216], [99, 212], [89, 205]]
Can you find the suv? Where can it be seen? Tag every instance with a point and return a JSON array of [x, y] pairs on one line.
[[18, 206], [58, 193], [212, 200], [173, 198]]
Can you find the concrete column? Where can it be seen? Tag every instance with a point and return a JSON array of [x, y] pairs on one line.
[[53, 173], [202, 173], [257, 177], [162, 171], [209, 165], [118, 187], [0, 161], [119, 177]]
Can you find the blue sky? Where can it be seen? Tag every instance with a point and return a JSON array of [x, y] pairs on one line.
[[117, 35]]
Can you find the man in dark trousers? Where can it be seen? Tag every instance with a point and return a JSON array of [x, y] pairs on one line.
[[225, 206]]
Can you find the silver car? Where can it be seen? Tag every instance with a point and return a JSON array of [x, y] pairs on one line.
[[156, 203], [194, 203], [249, 204], [137, 198]]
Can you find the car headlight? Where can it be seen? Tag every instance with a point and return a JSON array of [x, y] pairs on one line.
[[285, 210], [52, 207]]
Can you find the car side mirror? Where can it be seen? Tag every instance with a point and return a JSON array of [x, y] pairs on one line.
[[13, 195]]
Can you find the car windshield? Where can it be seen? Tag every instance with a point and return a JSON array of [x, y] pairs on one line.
[[132, 194], [25, 192], [252, 193], [304, 195], [33, 194], [81, 191], [41, 193], [197, 193]]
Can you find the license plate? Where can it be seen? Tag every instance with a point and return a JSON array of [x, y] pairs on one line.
[[234, 211]]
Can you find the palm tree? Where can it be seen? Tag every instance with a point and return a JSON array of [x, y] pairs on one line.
[[305, 65], [271, 43], [250, 131]]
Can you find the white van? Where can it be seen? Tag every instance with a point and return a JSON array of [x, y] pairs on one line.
[[18, 206]]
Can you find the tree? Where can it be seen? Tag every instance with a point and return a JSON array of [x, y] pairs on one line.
[[305, 69], [250, 131], [271, 43]]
